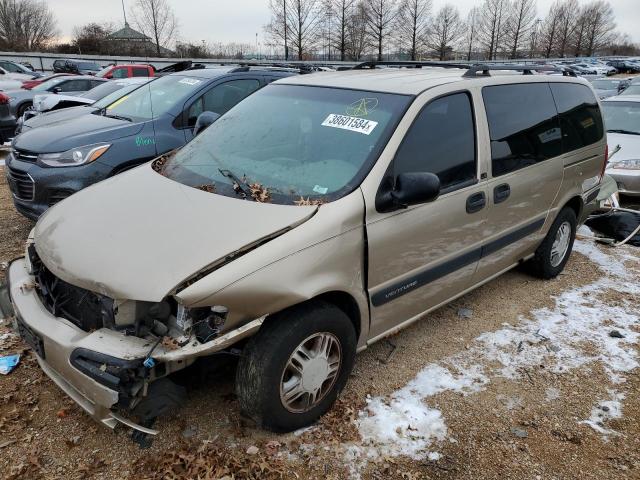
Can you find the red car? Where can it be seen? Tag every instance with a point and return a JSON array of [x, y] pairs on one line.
[[126, 71], [29, 84]]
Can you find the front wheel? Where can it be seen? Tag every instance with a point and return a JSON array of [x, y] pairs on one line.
[[293, 369], [553, 253]]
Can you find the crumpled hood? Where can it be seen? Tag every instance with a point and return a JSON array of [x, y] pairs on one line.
[[74, 132], [630, 146], [138, 235], [42, 103]]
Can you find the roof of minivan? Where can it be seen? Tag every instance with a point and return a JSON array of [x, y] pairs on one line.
[[408, 81]]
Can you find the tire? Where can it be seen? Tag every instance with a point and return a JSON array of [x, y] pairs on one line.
[[265, 368], [23, 108], [546, 263], [163, 397]]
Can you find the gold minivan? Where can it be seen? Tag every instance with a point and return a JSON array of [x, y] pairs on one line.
[[316, 217]]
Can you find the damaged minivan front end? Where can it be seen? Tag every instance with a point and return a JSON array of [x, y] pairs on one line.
[[98, 344]]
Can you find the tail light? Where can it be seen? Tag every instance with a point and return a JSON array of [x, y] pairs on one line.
[[3, 99], [605, 162]]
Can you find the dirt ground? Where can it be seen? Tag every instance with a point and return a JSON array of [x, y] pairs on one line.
[[521, 426]]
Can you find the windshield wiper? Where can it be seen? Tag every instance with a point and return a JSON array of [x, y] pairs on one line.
[[103, 112], [242, 185], [625, 132]]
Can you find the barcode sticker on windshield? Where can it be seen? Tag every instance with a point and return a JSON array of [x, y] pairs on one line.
[[354, 124], [190, 81]]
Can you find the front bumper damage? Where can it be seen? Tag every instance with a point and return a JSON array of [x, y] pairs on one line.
[[103, 370]]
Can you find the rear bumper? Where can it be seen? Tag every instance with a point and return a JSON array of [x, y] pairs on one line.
[[57, 340], [628, 180]]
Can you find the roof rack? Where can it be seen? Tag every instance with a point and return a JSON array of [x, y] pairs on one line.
[[302, 68], [407, 64], [472, 70]]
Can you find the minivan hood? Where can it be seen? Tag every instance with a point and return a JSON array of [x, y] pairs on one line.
[[138, 235], [629, 146], [60, 136]]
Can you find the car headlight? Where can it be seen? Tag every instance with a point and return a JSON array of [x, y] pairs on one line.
[[75, 156], [631, 164]]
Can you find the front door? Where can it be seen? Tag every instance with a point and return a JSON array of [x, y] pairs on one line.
[[424, 255]]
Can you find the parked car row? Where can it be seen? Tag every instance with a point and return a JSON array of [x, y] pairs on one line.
[[314, 216]]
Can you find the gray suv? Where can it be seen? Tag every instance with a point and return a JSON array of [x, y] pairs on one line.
[[53, 161]]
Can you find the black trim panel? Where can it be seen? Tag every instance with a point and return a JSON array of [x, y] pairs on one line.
[[424, 277], [592, 196]]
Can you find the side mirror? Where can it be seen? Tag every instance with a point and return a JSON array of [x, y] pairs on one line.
[[204, 121], [410, 189]]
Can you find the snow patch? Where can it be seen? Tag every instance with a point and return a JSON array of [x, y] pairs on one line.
[[604, 411], [573, 333]]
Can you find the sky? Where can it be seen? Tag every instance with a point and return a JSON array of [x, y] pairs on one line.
[[240, 20]]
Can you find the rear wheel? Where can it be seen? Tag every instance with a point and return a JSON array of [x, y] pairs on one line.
[[553, 253], [293, 369], [23, 108]]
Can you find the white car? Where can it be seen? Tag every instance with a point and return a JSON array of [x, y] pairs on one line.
[[6, 85], [48, 102], [622, 119], [6, 75]]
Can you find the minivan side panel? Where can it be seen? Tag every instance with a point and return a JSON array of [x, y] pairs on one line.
[[425, 254]]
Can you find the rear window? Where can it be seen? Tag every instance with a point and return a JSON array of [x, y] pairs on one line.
[[580, 118], [524, 126]]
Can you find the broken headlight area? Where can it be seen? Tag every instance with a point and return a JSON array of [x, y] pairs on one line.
[[169, 322]]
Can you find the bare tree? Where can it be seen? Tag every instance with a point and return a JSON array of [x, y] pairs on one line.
[[343, 11], [493, 17], [549, 34], [90, 39], [580, 32], [569, 12], [26, 24], [381, 15], [521, 20], [471, 38], [277, 30], [412, 25], [155, 18], [600, 27], [298, 23], [357, 32], [447, 28]]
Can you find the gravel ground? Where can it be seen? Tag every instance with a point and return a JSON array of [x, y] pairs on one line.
[[518, 416]]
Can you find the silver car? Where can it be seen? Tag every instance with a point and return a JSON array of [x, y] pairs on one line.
[[622, 121]]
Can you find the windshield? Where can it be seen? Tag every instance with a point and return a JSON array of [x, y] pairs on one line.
[[45, 86], [154, 98], [102, 90], [632, 90], [118, 94], [88, 66], [606, 84], [104, 71], [622, 117], [291, 144]]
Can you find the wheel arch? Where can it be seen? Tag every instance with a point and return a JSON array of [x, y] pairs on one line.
[[576, 204]]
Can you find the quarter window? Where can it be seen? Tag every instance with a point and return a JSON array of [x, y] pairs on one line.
[[523, 124], [580, 118], [140, 72], [442, 141]]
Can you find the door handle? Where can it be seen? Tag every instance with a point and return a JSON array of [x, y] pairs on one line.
[[501, 193], [476, 202]]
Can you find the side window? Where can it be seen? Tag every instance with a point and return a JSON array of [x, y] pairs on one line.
[[580, 117], [10, 67], [73, 86], [94, 84], [120, 72], [442, 140], [222, 98], [523, 124], [140, 72]]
